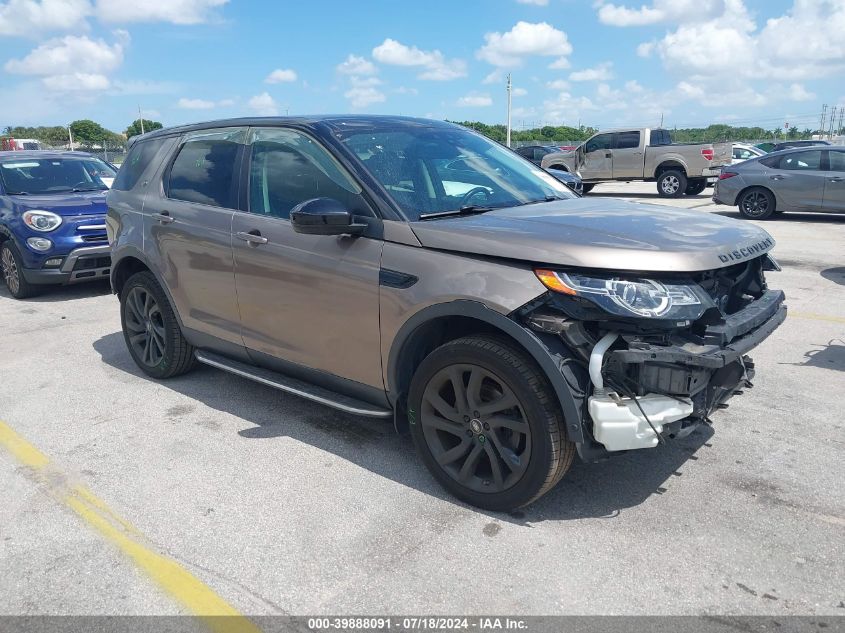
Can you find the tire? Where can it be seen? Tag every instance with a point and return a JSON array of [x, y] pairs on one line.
[[695, 187], [671, 184], [150, 329], [473, 456], [11, 266], [587, 188], [756, 203]]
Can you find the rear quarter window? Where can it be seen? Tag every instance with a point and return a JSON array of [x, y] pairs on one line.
[[136, 163]]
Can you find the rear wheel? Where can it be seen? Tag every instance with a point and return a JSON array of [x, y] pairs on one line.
[[671, 184], [487, 425], [151, 330], [756, 204], [587, 188], [11, 265], [695, 187]]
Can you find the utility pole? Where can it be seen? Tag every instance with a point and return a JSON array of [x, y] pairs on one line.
[[70, 136], [508, 138], [821, 123], [841, 116], [832, 122], [661, 120], [141, 118]]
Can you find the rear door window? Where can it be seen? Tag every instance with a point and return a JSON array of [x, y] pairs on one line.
[[627, 140], [837, 161], [204, 170], [660, 137], [135, 164], [801, 161]]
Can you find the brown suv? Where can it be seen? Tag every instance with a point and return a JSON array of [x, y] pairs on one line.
[[415, 270]]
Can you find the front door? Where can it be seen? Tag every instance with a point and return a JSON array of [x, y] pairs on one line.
[[834, 187], [598, 162], [627, 155], [188, 223], [309, 300]]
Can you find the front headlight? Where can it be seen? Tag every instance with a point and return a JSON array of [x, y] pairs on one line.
[[43, 221], [645, 298]]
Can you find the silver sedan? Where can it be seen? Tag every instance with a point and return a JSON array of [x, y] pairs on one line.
[[800, 179]]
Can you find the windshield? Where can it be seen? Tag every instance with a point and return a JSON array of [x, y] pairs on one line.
[[431, 170], [54, 175]]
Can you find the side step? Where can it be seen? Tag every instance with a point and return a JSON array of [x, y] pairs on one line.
[[292, 385]]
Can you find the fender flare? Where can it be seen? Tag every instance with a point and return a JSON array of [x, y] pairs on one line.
[[135, 253], [547, 360]]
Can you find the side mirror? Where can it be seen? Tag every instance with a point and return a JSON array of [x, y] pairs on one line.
[[324, 216]]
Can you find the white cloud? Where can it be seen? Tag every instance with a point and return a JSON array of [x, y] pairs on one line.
[[602, 72], [495, 77], [73, 63], [355, 65], [557, 84], [567, 108], [634, 86], [475, 101], [646, 49], [402, 90], [25, 18], [364, 91], [434, 65], [523, 40], [797, 92], [280, 75], [143, 87], [175, 11], [561, 63], [519, 92], [195, 104], [539, 3], [660, 11], [263, 105]]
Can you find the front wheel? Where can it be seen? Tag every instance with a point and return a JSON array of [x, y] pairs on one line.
[[671, 184], [587, 188], [151, 330], [11, 265], [487, 425], [756, 204]]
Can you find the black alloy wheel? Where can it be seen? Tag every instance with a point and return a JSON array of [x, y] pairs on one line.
[[757, 204]]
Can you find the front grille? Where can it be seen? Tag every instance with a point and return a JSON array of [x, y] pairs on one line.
[[734, 287], [92, 263], [95, 237]]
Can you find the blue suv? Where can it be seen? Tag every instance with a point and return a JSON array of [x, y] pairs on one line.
[[52, 219]]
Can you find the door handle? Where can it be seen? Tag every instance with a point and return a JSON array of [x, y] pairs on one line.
[[777, 177], [836, 179], [254, 237], [608, 155], [164, 217]]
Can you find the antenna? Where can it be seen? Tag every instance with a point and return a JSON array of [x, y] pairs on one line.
[[508, 138]]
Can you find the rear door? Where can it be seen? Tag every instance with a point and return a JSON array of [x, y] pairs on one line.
[[627, 155], [797, 180], [598, 159], [306, 301], [834, 187], [188, 221]]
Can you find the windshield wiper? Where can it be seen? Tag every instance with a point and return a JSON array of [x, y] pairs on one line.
[[470, 209], [546, 199], [75, 190], [17, 193]]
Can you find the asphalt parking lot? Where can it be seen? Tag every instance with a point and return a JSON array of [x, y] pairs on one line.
[[278, 506]]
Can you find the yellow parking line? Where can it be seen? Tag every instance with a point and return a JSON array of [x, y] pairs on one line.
[[193, 594], [817, 317]]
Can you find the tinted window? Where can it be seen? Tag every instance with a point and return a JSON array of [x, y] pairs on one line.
[[743, 154], [204, 172], [135, 163], [627, 140], [602, 141], [801, 160], [837, 161], [660, 137], [527, 152], [438, 169], [287, 168]]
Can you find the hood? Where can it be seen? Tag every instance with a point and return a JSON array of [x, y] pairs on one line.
[[63, 204], [601, 233]]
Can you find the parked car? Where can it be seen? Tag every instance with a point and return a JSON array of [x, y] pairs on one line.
[[570, 180], [744, 151], [790, 144], [503, 326], [535, 153], [52, 220], [801, 179], [643, 154]]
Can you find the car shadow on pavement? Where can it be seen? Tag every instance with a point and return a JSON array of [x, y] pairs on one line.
[[829, 356], [788, 216], [56, 294], [599, 490], [598, 193]]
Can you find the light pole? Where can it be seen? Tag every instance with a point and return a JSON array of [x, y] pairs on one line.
[[508, 140], [70, 136]]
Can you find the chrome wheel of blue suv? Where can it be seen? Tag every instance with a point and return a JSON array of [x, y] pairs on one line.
[[10, 263]]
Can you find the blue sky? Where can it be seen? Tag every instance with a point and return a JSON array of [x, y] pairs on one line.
[[601, 63]]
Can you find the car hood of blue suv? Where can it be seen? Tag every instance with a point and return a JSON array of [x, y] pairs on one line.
[[63, 204]]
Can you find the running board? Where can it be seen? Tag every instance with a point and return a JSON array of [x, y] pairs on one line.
[[292, 385]]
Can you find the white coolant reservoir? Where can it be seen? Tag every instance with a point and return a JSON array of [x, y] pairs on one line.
[[619, 424]]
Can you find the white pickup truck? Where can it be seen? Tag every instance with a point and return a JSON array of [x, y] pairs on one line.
[[643, 154]]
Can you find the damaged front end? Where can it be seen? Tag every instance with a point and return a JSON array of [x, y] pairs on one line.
[[649, 358]]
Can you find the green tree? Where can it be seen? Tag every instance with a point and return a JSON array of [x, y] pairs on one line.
[[135, 127], [793, 132]]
